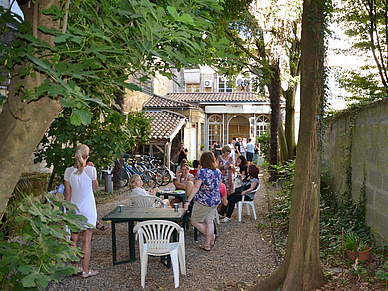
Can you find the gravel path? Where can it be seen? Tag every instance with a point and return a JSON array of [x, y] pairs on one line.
[[241, 256]]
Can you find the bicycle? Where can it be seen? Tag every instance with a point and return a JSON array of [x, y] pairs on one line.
[[132, 167], [164, 175]]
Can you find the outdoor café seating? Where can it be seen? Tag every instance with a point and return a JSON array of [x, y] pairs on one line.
[[155, 240]]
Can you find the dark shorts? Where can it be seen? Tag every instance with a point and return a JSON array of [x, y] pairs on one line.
[[249, 157]]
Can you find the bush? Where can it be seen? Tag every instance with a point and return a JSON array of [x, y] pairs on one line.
[[36, 250]]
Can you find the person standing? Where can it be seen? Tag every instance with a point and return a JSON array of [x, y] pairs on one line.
[[226, 165], [232, 151], [80, 181], [250, 149], [242, 147], [206, 195], [182, 153], [216, 149], [237, 149]]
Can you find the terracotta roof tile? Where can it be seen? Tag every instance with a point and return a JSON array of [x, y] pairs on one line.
[[157, 101], [217, 97], [164, 123]]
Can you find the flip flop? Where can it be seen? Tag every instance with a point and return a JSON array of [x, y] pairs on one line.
[[100, 226], [205, 248], [88, 274]]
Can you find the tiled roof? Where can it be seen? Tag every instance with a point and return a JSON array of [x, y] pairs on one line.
[[217, 97], [164, 123], [157, 101]]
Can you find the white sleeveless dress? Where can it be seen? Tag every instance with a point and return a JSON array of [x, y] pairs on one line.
[[82, 192]]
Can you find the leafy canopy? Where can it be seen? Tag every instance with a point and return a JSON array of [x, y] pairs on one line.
[[100, 43]]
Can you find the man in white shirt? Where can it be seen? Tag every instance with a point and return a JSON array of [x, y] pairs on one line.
[[250, 149]]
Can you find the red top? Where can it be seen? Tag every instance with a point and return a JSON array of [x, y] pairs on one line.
[[223, 189], [193, 172]]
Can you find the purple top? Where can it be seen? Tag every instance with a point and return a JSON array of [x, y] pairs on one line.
[[209, 191]]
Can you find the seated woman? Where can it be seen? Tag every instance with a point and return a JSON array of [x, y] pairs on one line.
[[135, 188], [181, 180], [249, 184]]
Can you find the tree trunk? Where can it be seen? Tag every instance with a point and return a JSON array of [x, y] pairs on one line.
[[274, 96], [290, 121], [118, 168], [301, 268], [23, 124]]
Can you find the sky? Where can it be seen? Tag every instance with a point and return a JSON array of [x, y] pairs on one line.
[[16, 9]]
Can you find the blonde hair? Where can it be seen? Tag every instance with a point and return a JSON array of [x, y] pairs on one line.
[[132, 180], [184, 166], [81, 154]]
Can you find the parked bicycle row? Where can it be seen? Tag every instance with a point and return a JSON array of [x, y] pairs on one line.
[[151, 170]]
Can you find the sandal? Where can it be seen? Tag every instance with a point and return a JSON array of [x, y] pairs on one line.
[[88, 274], [205, 248], [100, 226]]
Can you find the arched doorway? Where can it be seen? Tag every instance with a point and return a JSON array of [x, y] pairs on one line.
[[238, 127]]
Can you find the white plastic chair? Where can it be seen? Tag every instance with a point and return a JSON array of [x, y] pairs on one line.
[[148, 202], [247, 203], [154, 240]]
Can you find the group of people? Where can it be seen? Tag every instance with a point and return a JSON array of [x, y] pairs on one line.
[[209, 188], [238, 148]]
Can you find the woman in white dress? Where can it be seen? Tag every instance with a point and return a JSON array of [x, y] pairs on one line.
[[80, 181]]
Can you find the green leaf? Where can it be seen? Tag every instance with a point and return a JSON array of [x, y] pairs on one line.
[[75, 119], [84, 116], [26, 269], [173, 12], [29, 280], [61, 38], [186, 18]]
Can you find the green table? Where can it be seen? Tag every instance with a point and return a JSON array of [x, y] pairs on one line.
[[132, 214], [176, 193], [165, 194]]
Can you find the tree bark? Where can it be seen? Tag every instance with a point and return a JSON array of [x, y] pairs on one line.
[[274, 96], [301, 268], [290, 121], [23, 124]]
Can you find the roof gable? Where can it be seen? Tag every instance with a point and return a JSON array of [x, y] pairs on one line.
[[164, 123]]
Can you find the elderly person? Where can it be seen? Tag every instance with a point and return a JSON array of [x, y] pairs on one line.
[[250, 183], [226, 164], [206, 195], [136, 189]]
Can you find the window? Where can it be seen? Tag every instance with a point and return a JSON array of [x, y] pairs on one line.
[[192, 88], [224, 85], [215, 129], [262, 123]]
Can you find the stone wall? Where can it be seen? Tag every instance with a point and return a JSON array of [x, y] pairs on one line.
[[356, 150]]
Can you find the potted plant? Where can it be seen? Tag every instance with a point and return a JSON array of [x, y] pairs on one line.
[[350, 244], [202, 147]]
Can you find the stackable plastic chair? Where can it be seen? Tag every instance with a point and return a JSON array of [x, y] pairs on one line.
[[154, 240], [247, 203], [148, 202]]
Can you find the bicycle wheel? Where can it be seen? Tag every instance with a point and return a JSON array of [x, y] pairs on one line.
[[163, 176], [150, 178], [124, 180]]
